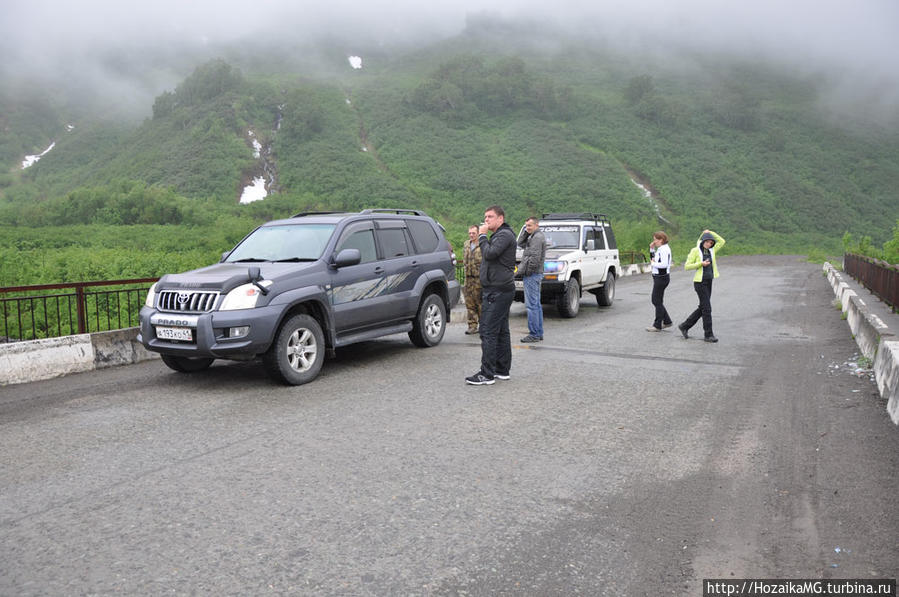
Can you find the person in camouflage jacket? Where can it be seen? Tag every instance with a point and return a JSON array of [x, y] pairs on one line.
[[471, 263]]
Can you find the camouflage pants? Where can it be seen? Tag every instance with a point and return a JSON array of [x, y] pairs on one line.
[[473, 303]]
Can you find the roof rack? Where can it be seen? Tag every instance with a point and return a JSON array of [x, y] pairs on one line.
[[379, 210], [316, 213], [598, 218]]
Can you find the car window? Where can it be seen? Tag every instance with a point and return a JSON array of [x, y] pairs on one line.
[[599, 239], [561, 237], [588, 237], [423, 236], [611, 237], [299, 242], [364, 240], [393, 242]]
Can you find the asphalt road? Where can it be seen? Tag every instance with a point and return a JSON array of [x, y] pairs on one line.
[[614, 462]]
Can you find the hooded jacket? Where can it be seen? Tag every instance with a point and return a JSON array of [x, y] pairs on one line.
[[498, 264], [694, 259]]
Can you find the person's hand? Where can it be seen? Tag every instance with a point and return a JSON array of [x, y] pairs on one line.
[[482, 229], [706, 263]]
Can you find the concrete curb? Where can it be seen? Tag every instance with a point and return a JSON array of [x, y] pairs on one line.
[[874, 338], [34, 360]]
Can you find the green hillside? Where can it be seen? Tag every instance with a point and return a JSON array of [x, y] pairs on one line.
[[742, 148]]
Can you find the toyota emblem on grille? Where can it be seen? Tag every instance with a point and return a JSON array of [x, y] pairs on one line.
[[183, 297]]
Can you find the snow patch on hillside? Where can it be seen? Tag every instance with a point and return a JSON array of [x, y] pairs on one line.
[[255, 191]]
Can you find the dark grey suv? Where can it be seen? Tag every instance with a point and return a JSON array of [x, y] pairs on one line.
[[295, 290]]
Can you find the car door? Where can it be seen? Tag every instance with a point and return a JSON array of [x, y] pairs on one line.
[[355, 291], [401, 267], [591, 266]]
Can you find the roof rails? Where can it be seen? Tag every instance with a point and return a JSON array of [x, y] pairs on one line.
[[598, 218], [316, 213], [411, 212], [378, 210]]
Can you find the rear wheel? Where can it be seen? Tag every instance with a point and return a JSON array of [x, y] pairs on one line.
[[569, 302], [297, 354], [606, 295], [430, 322], [186, 364]]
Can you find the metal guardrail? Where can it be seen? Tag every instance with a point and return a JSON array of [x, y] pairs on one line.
[[876, 275], [53, 310]]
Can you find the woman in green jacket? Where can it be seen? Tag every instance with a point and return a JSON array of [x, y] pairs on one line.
[[702, 259]]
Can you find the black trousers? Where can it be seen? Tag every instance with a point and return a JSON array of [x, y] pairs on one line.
[[496, 343], [659, 284], [704, 310]]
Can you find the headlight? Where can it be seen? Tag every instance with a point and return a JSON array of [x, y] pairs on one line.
[[243, 297], [554, 267], [151, 296]]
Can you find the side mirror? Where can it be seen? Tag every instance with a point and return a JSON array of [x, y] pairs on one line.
[[590, 245], [348, 257], [255, 275]]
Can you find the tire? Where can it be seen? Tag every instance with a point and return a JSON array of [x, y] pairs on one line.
[[186, 364], [569, 302], [297, 354], [606, 295], [430, 322]]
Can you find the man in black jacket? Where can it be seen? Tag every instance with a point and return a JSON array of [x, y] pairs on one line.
[[497, 294]]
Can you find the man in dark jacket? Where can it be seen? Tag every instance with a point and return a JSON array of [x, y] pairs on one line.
[[534, 244], [497, 294]]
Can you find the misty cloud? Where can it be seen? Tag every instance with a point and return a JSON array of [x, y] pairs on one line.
[[853, 43]]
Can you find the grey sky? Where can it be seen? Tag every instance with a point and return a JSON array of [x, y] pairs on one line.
[[856, 41]]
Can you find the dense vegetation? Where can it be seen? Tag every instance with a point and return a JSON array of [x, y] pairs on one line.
[[450, 129]]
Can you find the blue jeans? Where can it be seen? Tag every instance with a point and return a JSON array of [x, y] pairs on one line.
[[532, 303]]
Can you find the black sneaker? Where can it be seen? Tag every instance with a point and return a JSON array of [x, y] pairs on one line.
[[530, 338], [501, 376], [683, 330], [711, 339], [479, 379]]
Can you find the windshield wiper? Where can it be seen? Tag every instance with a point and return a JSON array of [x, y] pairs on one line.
[[293, 260], [249, 260]]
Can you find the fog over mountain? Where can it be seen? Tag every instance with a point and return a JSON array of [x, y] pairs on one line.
[[852, 42]]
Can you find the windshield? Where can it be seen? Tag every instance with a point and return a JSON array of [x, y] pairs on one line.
[[297, 242], [562, 237]]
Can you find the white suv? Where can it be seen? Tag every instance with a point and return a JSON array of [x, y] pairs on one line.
[[581, 255]]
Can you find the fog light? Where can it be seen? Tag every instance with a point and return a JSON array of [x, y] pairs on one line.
[[239, 332]]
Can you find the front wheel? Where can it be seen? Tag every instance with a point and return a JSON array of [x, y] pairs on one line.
[[186, 364], [569, 302], [297, 354], [430, 322], [606, 294]]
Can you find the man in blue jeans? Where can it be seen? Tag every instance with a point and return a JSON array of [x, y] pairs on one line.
[[534, 245]]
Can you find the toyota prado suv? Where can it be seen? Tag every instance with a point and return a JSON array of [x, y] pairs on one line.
[[581, 255], [295, 290]]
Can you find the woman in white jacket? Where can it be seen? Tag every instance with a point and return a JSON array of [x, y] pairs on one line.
[[660, 256]]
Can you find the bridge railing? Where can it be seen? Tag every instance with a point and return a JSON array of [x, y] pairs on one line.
[[52, 310], [876, 275]]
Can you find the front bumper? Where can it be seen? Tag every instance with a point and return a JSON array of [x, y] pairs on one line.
[[209, 332]]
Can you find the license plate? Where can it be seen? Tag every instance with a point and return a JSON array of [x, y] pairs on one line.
[[519, 285], [174, 333]]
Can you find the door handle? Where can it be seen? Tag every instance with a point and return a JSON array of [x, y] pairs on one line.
[[379, 270]]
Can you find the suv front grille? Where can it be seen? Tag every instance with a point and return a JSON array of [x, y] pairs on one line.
[[179, 301]]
